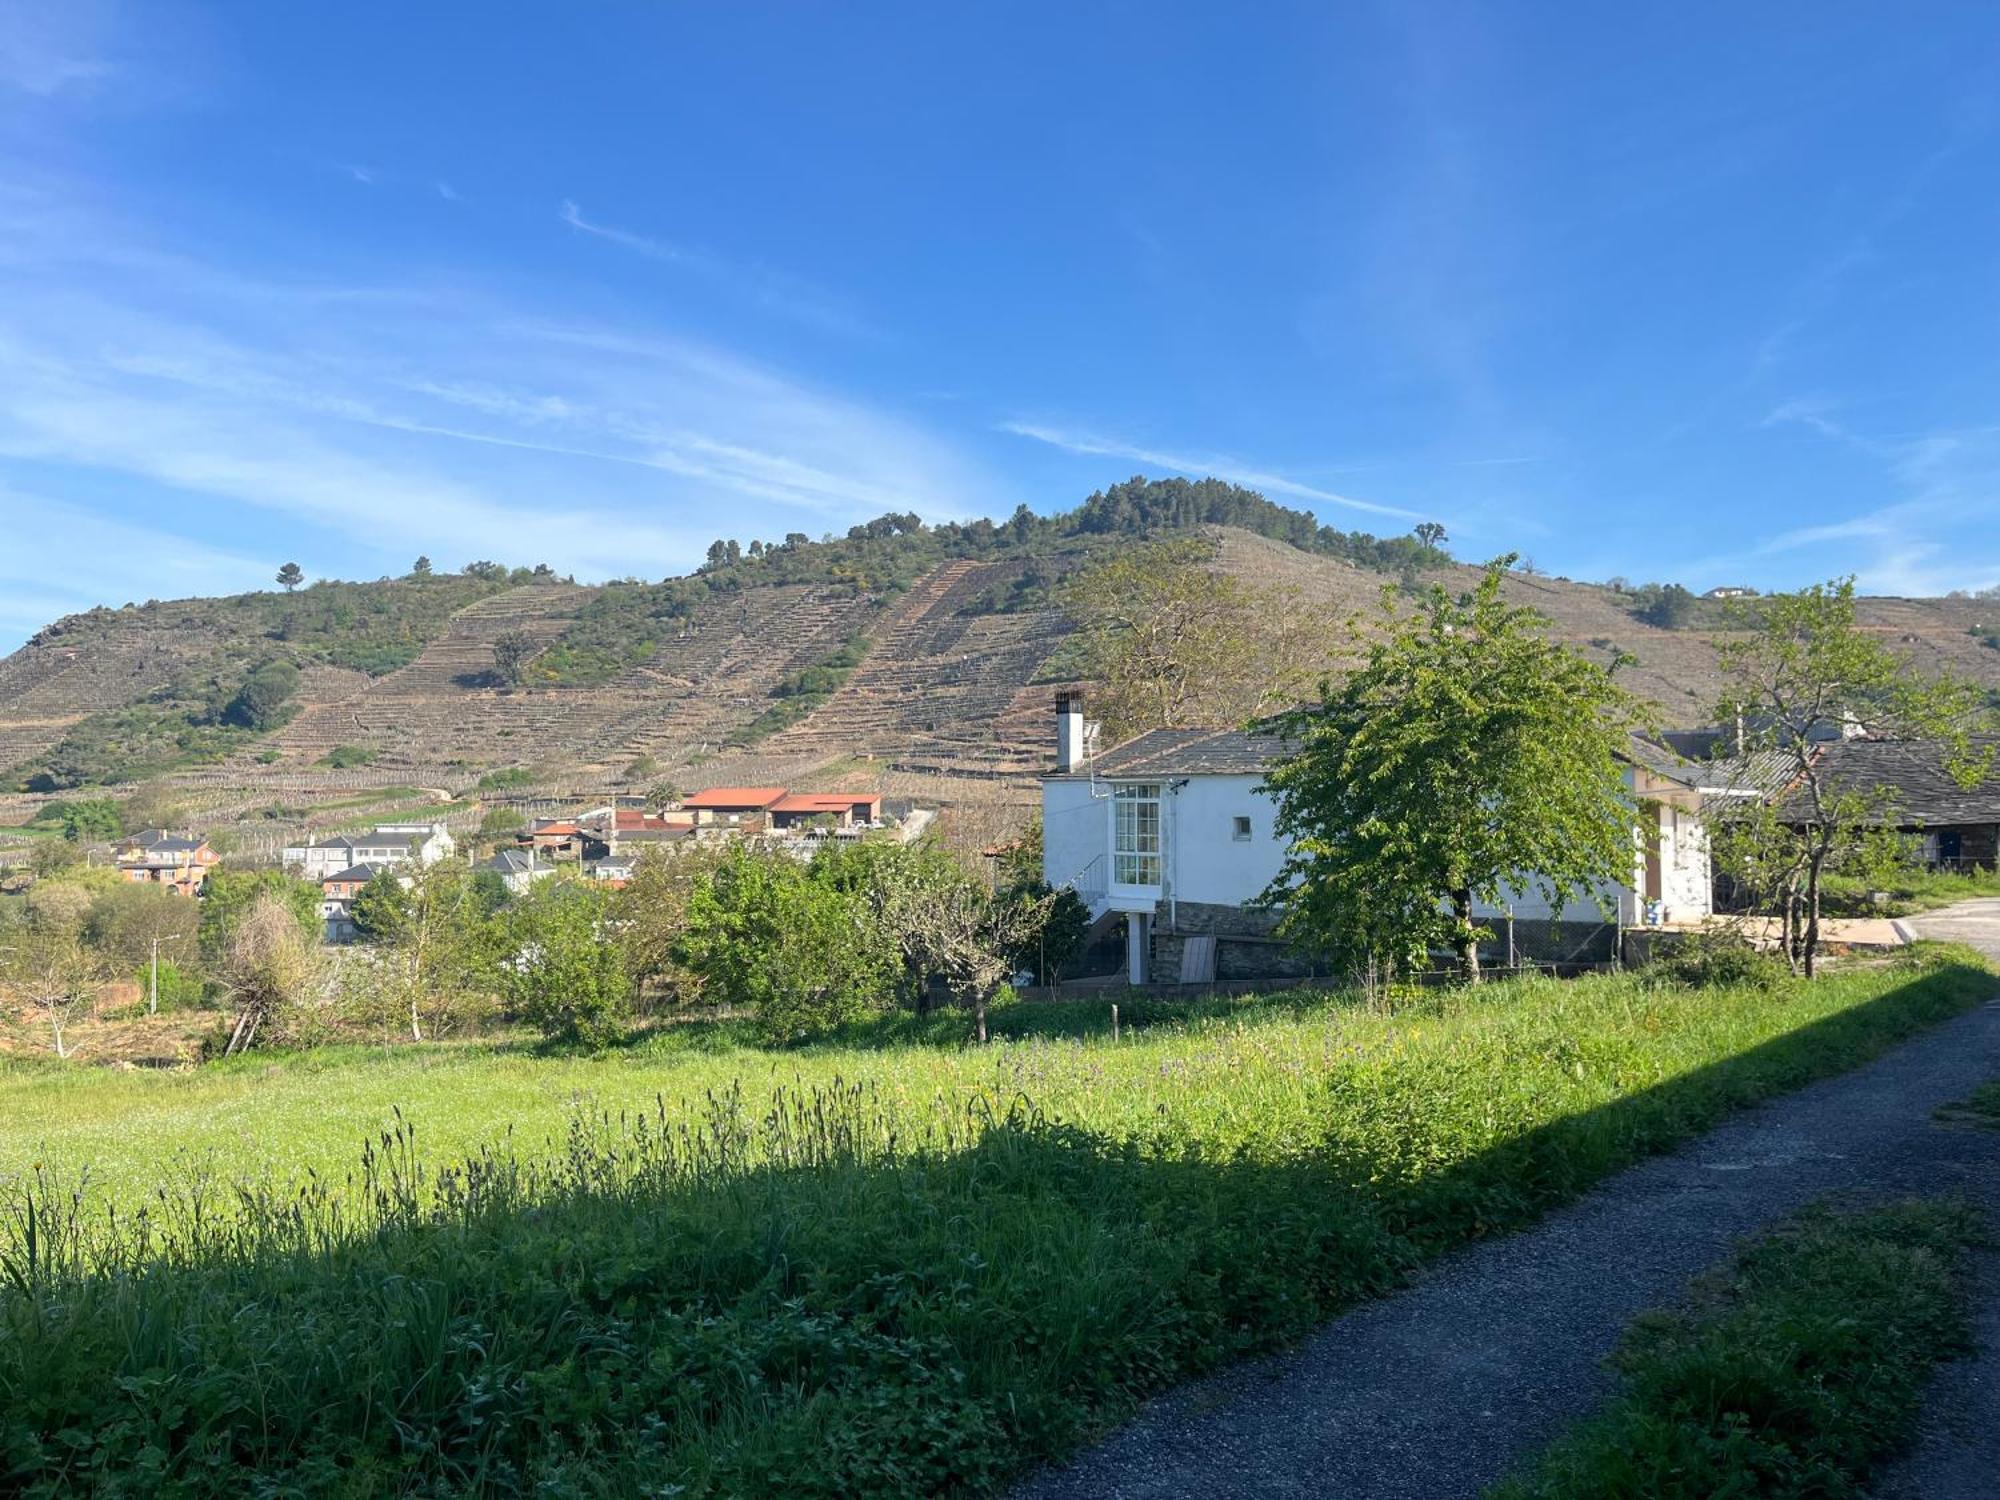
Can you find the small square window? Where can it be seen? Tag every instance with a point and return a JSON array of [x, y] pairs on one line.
[[1241, 831]]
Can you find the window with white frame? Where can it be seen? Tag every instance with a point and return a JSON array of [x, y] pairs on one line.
[[1135, 834]]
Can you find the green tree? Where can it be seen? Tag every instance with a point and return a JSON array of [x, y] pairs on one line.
[[88, 819], [437, 952], [141, 927], [1431, 534], [1467, 756], [380, 907], [291, 575], [511, 654], [1665, 607], [421, 568], [228, 895], [1055, 934], [260, 704], [564, 976], [1801, 671], [802, 953]]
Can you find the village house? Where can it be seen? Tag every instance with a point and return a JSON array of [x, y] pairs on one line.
[[336, 904], [839, 810], [388, 844], [1173, 831], [519, 869], [731, 804], [563, 840], [178, 861], [1911, 788]]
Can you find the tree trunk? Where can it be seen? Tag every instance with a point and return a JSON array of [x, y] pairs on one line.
[[55, 1025], [979, 1012], [1468, 938], [1811, 943]]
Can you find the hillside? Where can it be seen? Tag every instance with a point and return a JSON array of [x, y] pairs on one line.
[[916, 660]]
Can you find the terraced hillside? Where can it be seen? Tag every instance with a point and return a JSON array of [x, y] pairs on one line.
[[66, 674], [1674, 670], [948, 704]]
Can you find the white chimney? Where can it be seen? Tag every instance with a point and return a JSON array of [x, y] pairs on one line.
[[1071, 751]]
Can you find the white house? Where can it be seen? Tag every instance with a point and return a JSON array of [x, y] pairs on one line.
[[518, 869], [1175, 830], [389, 844]]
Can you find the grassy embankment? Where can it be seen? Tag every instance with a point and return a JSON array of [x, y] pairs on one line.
[[889, 1265], [1794, 1371], [1907, 891]]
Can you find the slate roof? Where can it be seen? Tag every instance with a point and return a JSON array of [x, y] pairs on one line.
[[1760, 773], [512, 862], [1188, 752], [1926, 794], [358, 873], [1238, 752], [159, 841]]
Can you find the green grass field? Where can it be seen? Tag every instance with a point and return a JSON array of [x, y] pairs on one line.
[[889, 1265]]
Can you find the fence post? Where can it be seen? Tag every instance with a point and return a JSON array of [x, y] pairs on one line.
[[1114, 1020]]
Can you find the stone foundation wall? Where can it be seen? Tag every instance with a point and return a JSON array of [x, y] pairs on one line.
[[1245, 948]]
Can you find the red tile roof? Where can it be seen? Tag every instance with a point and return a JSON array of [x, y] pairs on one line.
[[726, 797], [827, 802]]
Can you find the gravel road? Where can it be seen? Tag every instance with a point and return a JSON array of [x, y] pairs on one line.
[[1437, 1391]]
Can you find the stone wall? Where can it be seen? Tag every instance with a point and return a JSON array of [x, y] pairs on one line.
[[1246, 949]]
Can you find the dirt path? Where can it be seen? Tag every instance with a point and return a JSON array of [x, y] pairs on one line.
[[1958, 1455], [1438, 1391]]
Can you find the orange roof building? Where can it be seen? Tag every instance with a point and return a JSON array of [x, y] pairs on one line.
[[845, 808], [731, 802]]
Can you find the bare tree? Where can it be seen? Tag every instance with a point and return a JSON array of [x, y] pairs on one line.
[[1802, 673], [274, 970], [1174, 643], [955, 929], [56, 973]]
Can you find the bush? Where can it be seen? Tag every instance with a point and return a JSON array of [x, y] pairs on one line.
[[345, 757], [803, 953], [563, 978], [1720, 959]]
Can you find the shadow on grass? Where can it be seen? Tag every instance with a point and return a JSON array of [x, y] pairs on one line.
[[794, 1297]]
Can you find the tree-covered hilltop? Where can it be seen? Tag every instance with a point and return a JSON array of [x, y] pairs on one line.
[[628, 621], [238, 683]]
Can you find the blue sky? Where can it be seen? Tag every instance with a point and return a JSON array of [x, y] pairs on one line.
[[1705, 293]]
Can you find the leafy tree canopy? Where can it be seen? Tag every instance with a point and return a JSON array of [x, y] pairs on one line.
[[1468, 756]]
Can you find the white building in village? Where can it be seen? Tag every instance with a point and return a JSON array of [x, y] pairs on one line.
[[390, 844], [1174, 830]]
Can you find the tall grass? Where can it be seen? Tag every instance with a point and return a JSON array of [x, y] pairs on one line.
[[895, 1268]]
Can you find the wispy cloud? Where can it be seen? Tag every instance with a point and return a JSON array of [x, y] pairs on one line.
[[386, 421], [126, 563], [449, 193], [50, 50], [777, 292], [363, 175], [1198, 466], [638, 244]]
